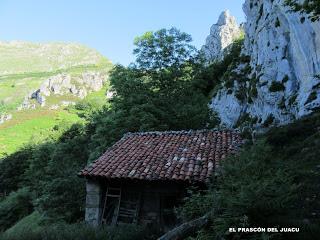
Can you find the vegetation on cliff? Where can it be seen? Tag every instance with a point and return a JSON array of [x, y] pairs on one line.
[[311, 7]]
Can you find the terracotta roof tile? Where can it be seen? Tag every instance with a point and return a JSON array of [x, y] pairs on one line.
[[176, 155]]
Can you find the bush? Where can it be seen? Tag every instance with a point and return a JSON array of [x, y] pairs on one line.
[[31, 223], [285, 79], [81, 231], [277, 23], [311, 98], [276, 87], [14, 207], [12, 170], [269, 120], [311, 7]]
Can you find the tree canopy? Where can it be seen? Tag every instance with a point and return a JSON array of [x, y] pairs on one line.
[[163, 49]]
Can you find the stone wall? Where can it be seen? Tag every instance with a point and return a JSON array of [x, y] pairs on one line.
[[93, 203], [149, 196]]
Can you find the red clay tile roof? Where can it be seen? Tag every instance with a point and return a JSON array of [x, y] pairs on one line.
[[178, 155]]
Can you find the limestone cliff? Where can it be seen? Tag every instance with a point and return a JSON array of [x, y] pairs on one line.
[[283, 70]]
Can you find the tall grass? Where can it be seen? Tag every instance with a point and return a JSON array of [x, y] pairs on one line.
[[81, 231]]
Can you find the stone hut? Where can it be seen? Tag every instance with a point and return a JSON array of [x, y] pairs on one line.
[[144, 176]]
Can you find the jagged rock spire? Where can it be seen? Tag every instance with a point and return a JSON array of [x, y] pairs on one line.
[[222, 34]]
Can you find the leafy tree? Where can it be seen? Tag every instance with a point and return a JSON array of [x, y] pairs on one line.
[[61, 191], [163, 49], [12, 170], [157, 92]]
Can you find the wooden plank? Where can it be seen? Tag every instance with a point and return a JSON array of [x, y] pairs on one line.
[[116, 214], [111, 195], [136, 215]]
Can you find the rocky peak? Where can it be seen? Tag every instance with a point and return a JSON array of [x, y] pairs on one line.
[[226, 18], [222, 34]]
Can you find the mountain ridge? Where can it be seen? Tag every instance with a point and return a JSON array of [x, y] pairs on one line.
[[44, 57], [41, 80]]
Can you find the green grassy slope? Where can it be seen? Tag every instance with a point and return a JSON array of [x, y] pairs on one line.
[[25, 57], [31, 223], [23, 67], [28, 125]]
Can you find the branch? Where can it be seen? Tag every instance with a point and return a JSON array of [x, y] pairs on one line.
[[186, 229]]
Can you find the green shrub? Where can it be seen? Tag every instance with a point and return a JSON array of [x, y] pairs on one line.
[[293, 99], [317, 86], [245, 58], [276, 87], [282, 103], [14, 207], [311, 98], [82, 231], [31, 223], [285, 79], [12, 170], [253, 91], [220, 72], [244, 119], [269, 120], [241, 94], [196, 204], [277, 23], [311, 7]]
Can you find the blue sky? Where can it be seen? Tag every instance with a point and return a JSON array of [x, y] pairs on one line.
[[106, 25]]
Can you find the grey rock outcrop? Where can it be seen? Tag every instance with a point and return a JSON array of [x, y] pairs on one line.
[[5, 117], [284, 50], [63, 84], [26, 104], [93, 80], [59, 84], [39, 97], [222, 35]]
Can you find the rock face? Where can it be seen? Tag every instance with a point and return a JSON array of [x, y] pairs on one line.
[[37, 95], [5, 117], [222, 35], [63, 84], [284, 50]]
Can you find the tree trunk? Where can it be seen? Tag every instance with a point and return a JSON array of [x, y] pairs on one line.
[[186, 229]]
